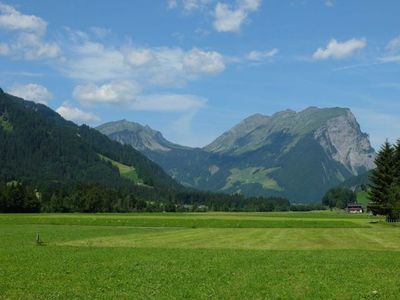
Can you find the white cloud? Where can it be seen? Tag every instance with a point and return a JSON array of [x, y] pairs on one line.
[[127, 94], [162, 66], [139, 56], [31, 91], [261, 55], [198, 61], [76, 115], [11, 19], [229, 18], [28, 42], [339, 50], [116, 92], [169, 103], [394, 44], [174, 63]]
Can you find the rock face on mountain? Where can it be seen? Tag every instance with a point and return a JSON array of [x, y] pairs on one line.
[[343, 140], [294, 154]]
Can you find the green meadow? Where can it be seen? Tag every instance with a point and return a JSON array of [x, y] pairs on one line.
[[315, 255]]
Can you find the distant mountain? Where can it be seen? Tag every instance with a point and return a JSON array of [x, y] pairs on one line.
[[40, 148], [298, 155], [142, 138]]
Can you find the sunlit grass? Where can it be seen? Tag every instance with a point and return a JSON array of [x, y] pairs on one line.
[[100, 260]]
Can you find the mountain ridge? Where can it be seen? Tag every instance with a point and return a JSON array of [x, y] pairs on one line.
[[293, 154], [144, 137]]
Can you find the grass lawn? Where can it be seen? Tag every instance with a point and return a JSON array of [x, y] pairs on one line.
[[325, 255]]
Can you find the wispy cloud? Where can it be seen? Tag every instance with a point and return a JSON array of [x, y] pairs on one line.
[[329, 3], [392, 54], [356, 66], [169, 103], [188, 6], [390, 59], [23, 73], [261, 55], [380, 125], [394, 44]]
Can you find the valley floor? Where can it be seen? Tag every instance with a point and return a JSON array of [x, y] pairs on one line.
[[312, 255]]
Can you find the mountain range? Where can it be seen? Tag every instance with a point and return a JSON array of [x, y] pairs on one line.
[[298, 155]]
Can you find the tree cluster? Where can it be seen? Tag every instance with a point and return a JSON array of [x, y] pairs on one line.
[[16, 198], [384, 188], [339, 197]]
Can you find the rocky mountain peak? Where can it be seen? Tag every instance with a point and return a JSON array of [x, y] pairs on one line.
[[342, 138]]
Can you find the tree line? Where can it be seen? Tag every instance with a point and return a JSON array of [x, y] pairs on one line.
[[92, 198]]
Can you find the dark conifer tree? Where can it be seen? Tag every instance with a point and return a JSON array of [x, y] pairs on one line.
[[396, 163], [382, 179]]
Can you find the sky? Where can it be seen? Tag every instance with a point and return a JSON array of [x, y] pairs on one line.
[[192, 69]]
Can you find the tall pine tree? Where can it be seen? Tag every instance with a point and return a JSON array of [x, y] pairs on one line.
[[394, 195], [382, 180], [396, 162]]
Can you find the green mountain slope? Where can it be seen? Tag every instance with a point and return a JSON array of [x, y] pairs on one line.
[[299, 155], [40, 148]]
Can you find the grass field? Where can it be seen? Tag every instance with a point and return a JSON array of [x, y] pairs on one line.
[[326, 255], [128, 172]]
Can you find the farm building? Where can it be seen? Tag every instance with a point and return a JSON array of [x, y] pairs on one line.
[[354, 208]]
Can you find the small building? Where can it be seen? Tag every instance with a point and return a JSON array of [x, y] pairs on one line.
[[354, 208]]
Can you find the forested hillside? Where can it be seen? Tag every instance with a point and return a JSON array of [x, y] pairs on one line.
[[41, 149]]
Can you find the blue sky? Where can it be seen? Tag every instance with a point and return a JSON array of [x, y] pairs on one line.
[[194, 68]]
